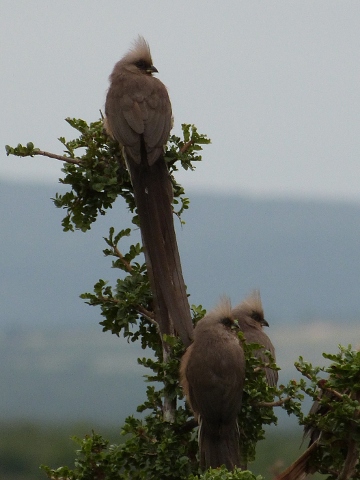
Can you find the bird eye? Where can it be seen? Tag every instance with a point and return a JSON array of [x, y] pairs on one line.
[[256, 316], [228, 322], [142, 65]]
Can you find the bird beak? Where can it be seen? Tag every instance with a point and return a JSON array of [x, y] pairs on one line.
[[152, 69], [264, 323]]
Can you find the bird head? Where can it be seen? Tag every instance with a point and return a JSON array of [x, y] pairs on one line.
[[219, 318], [230, 322], [138, 59], [251, 311]]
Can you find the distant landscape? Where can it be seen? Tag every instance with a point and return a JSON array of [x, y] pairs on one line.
[[56, 363], [57, 367], [303, 255]]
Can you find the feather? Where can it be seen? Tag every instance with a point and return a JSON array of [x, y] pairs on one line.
[[138, 115], [250, 316], [212, 374]]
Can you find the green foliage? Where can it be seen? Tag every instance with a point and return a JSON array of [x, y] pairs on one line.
[[22, 151], [252, 417], [127, 307], [24, 445], [95, 460], [158, 449], [337, 419], [223, 474], [95, 169], [152, 447], [96, 180], [258, 398], [97, 177]]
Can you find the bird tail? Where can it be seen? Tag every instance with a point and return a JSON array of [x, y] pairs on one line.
[[153, 196], [300, 469], [219, 447]]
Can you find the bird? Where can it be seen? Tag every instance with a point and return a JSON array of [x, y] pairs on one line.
[[250, 316], [212, 375], [138, 115]]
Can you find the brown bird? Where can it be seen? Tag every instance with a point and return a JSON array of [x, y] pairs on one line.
[[250, 316], [138, 116], [212, 374]]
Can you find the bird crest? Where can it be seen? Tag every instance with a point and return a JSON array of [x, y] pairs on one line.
[[223, 308], [251, 307], [140, 50], [253, 303]]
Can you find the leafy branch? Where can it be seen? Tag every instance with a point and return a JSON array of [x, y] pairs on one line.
[[153, 447]]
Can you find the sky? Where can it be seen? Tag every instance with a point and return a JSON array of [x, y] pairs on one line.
[[274, 84]]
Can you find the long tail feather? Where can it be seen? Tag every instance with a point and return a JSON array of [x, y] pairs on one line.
[[300, 468], [152, 189], [219, 448]]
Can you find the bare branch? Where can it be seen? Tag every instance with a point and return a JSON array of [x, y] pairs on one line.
[[352, 458], [273, 404], [304, 374], [62, 158], [336, 394], [263, 366], [186, 146], [147, 314], [121, 257]]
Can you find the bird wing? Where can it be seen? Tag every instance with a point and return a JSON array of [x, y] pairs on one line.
[[255, 335], [157, 118], [142, 108], [215, 381]]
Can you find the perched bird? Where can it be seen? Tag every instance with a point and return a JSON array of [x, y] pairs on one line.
[[138, 116], [250, 316], [212, 374]]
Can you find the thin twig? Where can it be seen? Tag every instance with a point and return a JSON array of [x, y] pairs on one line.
[[273, 404], [139, 308], [265, 365], [142, 310], [351, 460], [304, 374], [334, 392], [146, 313], [108, 299], [127, 265], [58, 157], [186, 146]]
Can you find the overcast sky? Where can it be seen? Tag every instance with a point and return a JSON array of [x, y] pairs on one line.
[[274, 84]]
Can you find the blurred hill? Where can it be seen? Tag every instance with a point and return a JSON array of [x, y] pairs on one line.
[[81, 374], [55, 363], [25, 446], [303, 255]]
